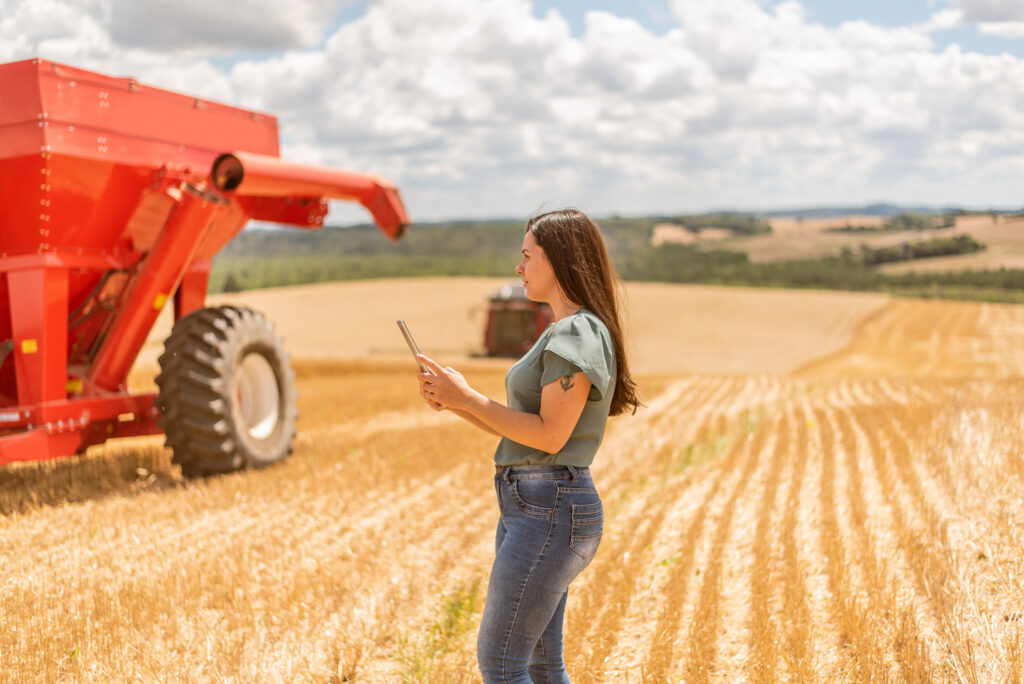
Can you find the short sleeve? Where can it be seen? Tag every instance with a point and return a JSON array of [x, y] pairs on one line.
[[580, 343]]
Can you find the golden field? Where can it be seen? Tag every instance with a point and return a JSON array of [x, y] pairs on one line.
[[793, 238], [822, 487]]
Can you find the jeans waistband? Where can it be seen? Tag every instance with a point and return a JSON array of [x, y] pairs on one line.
[[541, 472]]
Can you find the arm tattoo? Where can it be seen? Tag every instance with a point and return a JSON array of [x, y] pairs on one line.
[[567, 383]]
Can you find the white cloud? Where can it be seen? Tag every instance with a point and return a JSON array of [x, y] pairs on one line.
[[479, 107], [172, 26], [942, 20], [1002, 18], [77, 33], [220, 26], [1003, 29], [990, 10]]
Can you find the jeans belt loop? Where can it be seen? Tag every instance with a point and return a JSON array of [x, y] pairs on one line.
[[572, 469], [504, 474]]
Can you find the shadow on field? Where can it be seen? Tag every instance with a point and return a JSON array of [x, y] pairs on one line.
[[129, 466], [112, 469]]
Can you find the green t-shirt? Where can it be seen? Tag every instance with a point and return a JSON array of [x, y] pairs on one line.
[[576, 344]]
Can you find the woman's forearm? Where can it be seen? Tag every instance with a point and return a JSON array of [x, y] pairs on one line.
[[549, 430], [525, 428], [473, 420]]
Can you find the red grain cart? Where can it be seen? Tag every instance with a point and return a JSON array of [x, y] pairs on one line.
[[114, 198]]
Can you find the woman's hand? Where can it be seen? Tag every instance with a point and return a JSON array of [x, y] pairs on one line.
[[423, 373], [443, 388]]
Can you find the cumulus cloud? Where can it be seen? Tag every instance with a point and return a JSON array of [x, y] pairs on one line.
[[78, 32], [481, 107], [1003, 18], [990, 10], [1003, 29], [942, 20], [220, 26]]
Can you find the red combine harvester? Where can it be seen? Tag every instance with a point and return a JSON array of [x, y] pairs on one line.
[[114, 198], [514, 322]]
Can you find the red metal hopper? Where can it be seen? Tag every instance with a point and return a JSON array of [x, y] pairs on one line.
[[114, 198]]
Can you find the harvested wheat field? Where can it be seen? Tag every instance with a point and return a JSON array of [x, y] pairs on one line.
[[850, 515], [1002, 235]]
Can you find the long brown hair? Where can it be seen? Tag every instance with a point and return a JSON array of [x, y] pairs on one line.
[[583, 269]]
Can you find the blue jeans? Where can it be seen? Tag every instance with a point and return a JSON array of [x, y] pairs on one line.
[[550, 526]]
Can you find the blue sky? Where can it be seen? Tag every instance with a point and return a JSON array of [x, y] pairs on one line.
[[656, 16], [499, 107]]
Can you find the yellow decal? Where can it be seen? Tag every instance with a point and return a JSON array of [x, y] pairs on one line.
[[29, 346], [159, 302], [75, 386]]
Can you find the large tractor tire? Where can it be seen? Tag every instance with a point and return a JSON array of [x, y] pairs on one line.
[[227, 392]]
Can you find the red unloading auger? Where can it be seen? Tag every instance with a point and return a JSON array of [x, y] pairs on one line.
[[114, 198], [257, 175]]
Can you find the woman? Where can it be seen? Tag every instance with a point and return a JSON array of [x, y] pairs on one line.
[[560, 394]]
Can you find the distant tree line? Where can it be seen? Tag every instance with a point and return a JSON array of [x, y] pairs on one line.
[[282, 257], [688, 264], [736, 223], [271, 258], [907, 251], [910, 221], [903, 222]]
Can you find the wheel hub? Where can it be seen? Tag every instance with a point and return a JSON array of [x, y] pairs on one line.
[[257, 395]]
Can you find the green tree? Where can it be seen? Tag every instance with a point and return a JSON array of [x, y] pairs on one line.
[[232, 283]]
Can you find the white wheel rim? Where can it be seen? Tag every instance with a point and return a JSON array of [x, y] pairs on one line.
[[257, 395]]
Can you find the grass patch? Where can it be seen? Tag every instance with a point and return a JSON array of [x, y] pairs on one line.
[[418, 657], [713, 440]]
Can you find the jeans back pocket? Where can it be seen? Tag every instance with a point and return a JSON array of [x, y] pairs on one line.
[[587, 527]]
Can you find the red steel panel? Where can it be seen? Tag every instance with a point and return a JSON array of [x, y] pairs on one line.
[[103, 104], [80, 411], [88, 205], [8, 382], [68, 427], [191, 294], [39, 308], [36, 445], [19, 139], [302, 212], [22, 179], [19, 97]]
